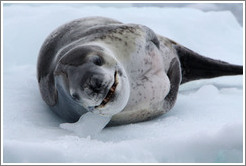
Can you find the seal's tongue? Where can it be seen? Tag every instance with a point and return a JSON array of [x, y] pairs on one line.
[[89, 124]]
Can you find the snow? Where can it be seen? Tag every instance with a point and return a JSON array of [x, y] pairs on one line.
[[205, 125]]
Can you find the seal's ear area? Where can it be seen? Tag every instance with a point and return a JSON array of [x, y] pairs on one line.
[[174, 75], [47, 89], [195, 66], [74, 57]]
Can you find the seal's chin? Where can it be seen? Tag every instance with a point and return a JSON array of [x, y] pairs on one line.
[[111, 93]]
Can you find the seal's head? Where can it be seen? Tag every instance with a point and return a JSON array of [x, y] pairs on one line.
[[94, 79]]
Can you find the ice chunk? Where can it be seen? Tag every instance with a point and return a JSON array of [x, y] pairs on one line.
[[89, 124]]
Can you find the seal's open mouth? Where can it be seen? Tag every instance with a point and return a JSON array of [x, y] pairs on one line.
[[110, 92]]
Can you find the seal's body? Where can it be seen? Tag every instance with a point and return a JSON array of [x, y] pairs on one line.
[[121, 70]]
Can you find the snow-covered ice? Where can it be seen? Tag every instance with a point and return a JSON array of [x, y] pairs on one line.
[[205, 125]]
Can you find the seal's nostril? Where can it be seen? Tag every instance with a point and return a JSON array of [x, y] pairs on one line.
[[97, 85], [75, 96]]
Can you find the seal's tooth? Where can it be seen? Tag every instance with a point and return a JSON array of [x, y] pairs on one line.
[[112, 89], [110, 93], [105, 100]]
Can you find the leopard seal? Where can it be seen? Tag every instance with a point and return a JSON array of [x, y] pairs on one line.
[[125, 71]]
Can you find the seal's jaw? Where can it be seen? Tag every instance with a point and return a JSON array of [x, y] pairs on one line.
[[116, 98], [110, 95]]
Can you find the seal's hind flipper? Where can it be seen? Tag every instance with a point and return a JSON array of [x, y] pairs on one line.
[[195, 66]]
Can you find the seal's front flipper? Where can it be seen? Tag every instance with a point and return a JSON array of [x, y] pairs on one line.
[[47, 89], [174, 75], [195, 66]]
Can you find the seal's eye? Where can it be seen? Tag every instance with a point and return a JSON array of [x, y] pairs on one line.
[[75, 96], [98, 61]]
